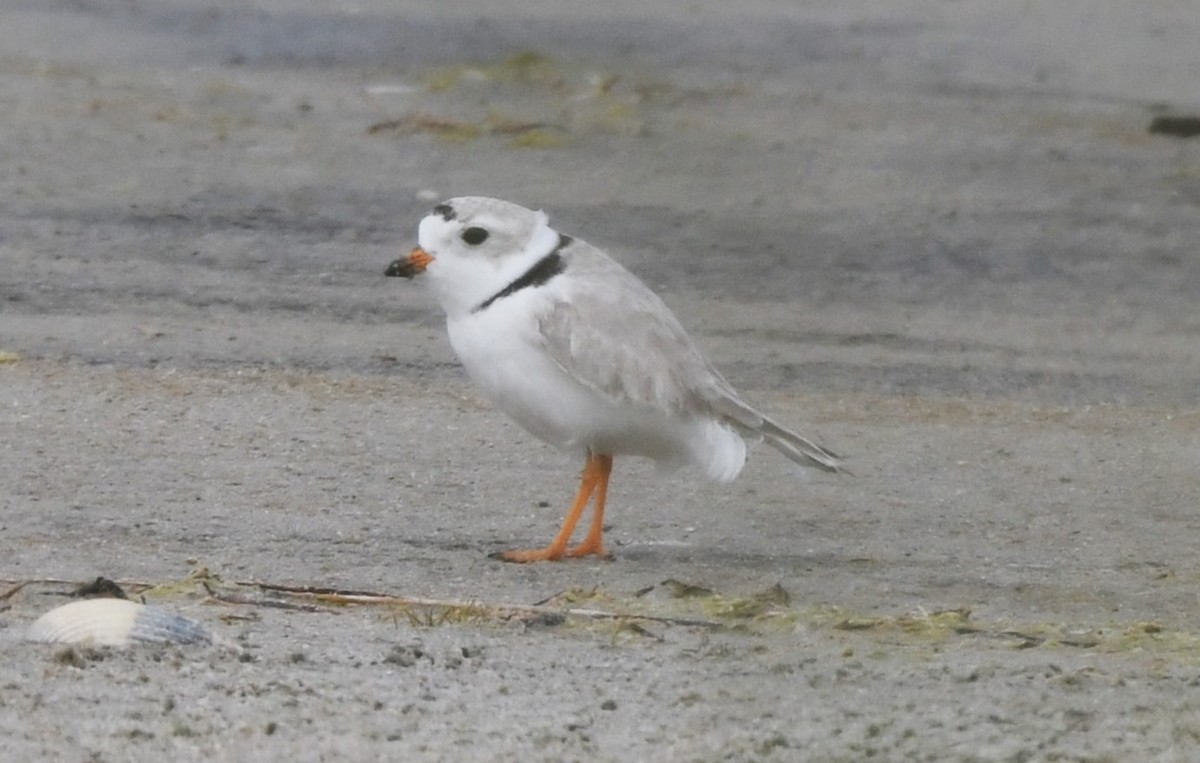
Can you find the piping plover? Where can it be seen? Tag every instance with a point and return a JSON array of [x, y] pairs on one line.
[[582, 355]]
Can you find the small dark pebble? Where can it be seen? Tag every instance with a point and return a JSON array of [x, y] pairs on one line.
[[73, 657], [608, 704], [546, 620], [406, 656], [100, 588], [270, 728], [1176, 126]]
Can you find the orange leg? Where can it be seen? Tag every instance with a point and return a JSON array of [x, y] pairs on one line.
[[592, 543], [594, 478]]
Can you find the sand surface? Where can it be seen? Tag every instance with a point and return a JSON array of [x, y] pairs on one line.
[[938, 237]]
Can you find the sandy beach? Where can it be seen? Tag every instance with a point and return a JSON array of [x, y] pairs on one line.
[[940, 238]]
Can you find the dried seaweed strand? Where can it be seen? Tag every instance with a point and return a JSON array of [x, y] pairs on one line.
[[336, 596]]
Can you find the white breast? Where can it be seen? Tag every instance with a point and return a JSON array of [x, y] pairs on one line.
[[500, 349]]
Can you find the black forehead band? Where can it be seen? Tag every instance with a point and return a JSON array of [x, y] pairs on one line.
[[446, 211]]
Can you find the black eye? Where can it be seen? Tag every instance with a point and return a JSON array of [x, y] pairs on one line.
[[474, 236]]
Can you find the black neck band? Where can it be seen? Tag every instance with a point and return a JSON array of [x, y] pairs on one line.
[[541, 272]]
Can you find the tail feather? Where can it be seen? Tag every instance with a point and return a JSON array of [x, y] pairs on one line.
[[796, 447]]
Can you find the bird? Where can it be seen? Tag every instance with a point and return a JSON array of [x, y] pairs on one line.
[[582, 355]]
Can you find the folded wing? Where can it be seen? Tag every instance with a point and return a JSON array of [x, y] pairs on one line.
[[618, 338]]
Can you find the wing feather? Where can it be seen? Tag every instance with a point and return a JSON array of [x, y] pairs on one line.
[[610, 332]]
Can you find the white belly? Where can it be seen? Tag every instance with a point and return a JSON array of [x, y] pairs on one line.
[[501, 351], [503, 358]]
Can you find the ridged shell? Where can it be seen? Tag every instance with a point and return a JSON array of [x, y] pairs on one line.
[[115, 622]]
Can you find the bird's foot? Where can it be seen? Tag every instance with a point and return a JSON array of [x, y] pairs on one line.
[[552, 553], [588, 547], [527, 555]]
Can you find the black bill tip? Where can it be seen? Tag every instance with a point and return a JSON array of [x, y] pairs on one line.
[[401, 268]]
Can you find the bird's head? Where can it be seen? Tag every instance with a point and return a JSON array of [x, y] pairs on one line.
[[473, 246]]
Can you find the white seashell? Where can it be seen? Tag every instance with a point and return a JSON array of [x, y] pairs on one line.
[[115, 622]]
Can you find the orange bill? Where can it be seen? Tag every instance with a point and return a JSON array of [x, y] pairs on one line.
[[419, 259]]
